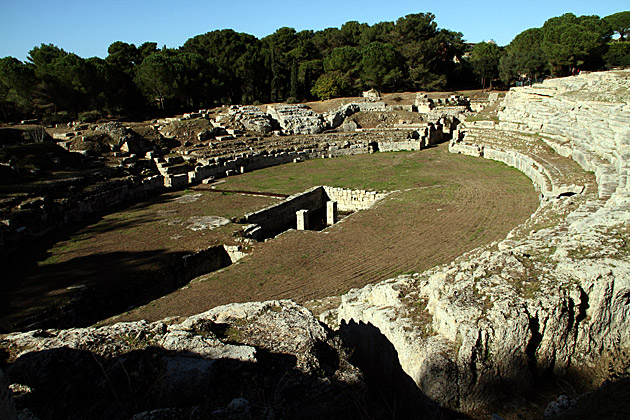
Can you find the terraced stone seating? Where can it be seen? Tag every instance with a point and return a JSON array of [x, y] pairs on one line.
[[552, 298]]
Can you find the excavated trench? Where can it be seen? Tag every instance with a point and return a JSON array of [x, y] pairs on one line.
[[314, 209]]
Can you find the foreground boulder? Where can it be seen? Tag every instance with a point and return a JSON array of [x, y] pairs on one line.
[[254, 360]]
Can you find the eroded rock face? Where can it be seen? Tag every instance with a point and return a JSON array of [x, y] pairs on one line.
[[297, 119], [246, 118], [551, 299], [253, 360]]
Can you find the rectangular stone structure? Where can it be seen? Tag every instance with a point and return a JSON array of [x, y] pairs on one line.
[[331, 213], [302, 219]]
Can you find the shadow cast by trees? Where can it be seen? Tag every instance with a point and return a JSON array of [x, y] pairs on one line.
[[83, 290]]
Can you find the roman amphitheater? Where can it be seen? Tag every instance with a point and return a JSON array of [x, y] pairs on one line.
[[390, 302]]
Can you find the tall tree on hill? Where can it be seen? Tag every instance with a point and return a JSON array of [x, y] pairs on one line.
[[41, 59], [620, 24], [327, 40], [308, 72], [231, 52], [524, 57], [379, 32], [157, 76], [195, 81], [123, 56], [121, 92], [352, 31], [484, 59], [570, 41], [302, 54], [429, 52], [346, 61], [380, 67], [17, 81], [67, 81], [618, 54], [279, 45]]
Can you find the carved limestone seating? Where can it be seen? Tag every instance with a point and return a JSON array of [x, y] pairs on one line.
[[550, 299], [555, 175]]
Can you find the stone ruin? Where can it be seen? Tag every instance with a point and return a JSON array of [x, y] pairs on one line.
[[249, 118], [551, 299], [453, 105], [296, 119], [316, 207], [548, 301], [372, 95]]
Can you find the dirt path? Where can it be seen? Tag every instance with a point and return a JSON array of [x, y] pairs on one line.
[[473, 202]]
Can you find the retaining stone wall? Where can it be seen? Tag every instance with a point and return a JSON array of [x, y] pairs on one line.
[[44, 216], [274, 218], [353, 200]]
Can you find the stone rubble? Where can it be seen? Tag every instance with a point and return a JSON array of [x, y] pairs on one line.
[[249, 118], [296, 119]]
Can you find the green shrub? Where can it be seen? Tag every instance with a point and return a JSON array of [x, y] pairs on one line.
[[618, 54], [330, 85], [60, 117], [89, 116]]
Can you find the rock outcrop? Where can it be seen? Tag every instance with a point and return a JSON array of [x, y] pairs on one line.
[[253, 360], [552, 298], [249, 118], [296, 119]]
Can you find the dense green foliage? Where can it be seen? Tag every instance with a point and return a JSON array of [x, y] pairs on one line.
[[567, 44], [620, 23], [224, 67], [485, 61]]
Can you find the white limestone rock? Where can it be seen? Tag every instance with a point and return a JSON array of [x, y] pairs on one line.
[[551, 300]]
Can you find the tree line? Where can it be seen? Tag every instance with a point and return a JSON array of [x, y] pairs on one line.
[[227, 67], [564, 45]]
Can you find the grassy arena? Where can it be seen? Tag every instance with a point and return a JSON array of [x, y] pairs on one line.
[[445, 205]]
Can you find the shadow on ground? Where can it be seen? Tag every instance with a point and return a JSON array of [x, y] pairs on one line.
[[86, 289], [78, 384]]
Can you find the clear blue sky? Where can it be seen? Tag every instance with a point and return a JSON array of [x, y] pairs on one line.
[[88, 27]]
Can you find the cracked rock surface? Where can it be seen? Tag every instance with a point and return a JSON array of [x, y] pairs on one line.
[[246, 361]]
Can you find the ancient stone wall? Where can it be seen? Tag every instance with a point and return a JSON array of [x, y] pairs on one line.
[[275, 218], [43, 215], [353, 200], [282, 216], [297, 119]]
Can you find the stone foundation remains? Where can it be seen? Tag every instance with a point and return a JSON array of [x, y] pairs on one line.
[[302, 210]]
